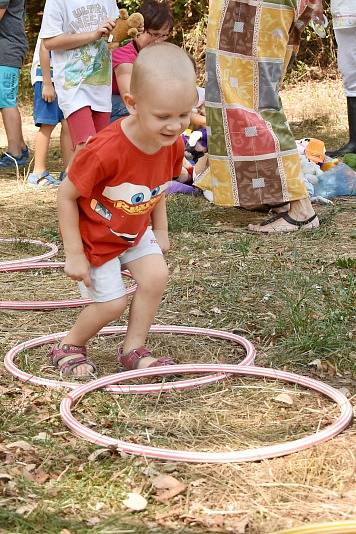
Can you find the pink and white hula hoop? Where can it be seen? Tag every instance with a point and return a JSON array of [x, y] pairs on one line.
[[53, 249], [248, 455], [46, 304], [132, 388]]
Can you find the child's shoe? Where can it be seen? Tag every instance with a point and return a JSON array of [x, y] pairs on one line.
[[8, 161], [43, 179], [132, 359]]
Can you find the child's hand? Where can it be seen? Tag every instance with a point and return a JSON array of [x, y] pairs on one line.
[[162, 239], [105, 29], [77, 268], [48, 92]]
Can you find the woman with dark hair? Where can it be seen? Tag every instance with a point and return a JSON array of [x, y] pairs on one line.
[[158, 27]]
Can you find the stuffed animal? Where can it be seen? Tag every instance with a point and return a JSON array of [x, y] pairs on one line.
[[126, 26], [311, 172]]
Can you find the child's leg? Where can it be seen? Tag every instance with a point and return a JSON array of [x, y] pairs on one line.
[[81, 128], [151, 275], [13, 128], [87, 325], [109, 293], [43, 138], [66, 144]]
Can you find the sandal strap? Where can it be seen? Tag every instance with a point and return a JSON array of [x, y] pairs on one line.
[[294, 222], [57, 353], [131, 359]]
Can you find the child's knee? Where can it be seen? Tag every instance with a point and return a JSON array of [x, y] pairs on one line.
[[157, 278], [113, 309]]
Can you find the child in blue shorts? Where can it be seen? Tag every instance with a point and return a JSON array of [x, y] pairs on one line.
[[13, 47], [47, 115]]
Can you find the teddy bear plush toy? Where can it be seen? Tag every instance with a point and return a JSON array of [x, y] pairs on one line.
[[126, 26]]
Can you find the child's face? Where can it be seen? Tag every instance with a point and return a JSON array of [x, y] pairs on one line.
[[164, 113]]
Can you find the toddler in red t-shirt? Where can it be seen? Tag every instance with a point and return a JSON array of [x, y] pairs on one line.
[[114, 192]]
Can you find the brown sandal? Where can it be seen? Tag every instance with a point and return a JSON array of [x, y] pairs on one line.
[[79, 357], [130, 360]]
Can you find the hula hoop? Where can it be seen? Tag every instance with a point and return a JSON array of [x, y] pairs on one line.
[[53, 249], [248, 455], [129, 389], [337, 527], [46, 304]]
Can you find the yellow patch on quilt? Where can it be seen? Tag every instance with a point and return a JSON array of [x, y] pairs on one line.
[[274, 31], [237, 75]]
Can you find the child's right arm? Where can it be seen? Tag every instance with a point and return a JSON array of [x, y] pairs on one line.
[[68, 41], [77, 266]]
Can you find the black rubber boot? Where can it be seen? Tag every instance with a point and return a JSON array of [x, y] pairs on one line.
[[350, 147]]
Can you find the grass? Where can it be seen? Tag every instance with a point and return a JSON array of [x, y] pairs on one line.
[[292, 296]]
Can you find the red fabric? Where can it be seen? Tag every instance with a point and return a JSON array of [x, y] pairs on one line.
[[85, 123], [123, 54], [113, 220]]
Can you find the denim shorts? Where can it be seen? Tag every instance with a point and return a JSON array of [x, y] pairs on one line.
[[9, 86], [118, 108], [45, 112], [106, 280]]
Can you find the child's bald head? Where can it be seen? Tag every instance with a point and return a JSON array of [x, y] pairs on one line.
[[160, 66]]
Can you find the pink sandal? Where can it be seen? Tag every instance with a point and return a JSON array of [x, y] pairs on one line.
[[130, 361], [79, 357]]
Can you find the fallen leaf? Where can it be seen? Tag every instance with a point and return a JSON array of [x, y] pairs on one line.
[[26, 509], [135, 502], [169, 487], [284, 398], [42, 436], [165, 482], [23, 445], [99, 452]]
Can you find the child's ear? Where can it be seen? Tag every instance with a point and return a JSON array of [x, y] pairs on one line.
[[130, 103]]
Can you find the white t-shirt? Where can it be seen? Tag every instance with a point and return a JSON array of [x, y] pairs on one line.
[[82, 76], [343, 13], [36, 71]]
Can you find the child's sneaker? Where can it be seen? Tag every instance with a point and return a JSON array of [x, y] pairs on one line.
[[43, 179], [8, 161]]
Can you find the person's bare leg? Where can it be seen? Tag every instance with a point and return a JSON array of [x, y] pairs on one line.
[[42, 141], [77, 149], [300, 210], [13, 128], [151, 276], [88, 324], [67, 150]]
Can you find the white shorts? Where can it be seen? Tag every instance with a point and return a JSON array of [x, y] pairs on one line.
[[107, 283]]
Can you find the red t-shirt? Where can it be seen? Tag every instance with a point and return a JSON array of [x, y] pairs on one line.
[[124, 54], [119, 187]]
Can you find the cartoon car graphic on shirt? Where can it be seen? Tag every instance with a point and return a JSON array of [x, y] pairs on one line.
[[132, 199]]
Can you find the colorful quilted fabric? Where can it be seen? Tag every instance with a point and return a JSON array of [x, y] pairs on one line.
[[253, 159]]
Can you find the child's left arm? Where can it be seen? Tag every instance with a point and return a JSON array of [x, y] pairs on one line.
[[160, 224], [48, 92]]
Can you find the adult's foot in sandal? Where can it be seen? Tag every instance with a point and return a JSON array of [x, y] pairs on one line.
[[284, 224], [72, 360], [141, 358], [301, 216]]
